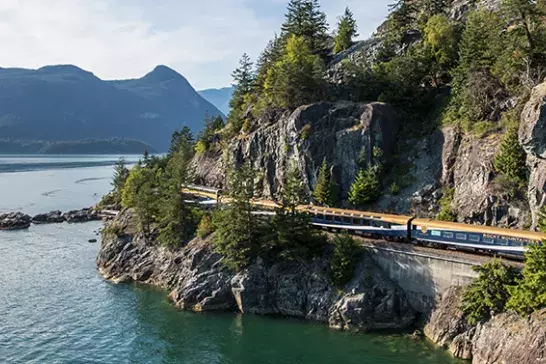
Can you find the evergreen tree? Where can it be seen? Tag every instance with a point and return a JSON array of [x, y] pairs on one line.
[[324, 192], [238, 231], [121, 173], [294, 237], [175, 218], [344, 259], [296, 79], [269, 56], [489, 292], [529, 295], [243, 77], [365, 188], [346, 31], [542, 219], [305, 19], [510, 161], [139, 194]]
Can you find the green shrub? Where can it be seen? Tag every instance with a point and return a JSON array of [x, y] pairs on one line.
[[365, 188], [344, 259], [205, 227], [510, 160], [489, 292], [446, 211], [306, 131], [394, 189]]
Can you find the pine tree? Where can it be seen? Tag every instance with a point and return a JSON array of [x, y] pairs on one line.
[[305, 19], [293, 236], [269, 56], [365, 188], [121, 173], [296, 79], [346, 31], [489, 292], [529, 295], [238, 231], [510, 161], [174, 217], [324, 192], [138, 193], [542, 219], [344, 259], [243, 78]]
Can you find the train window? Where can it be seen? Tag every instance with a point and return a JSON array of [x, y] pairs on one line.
[[474, 237], [448, 235], [461, 236], [347, 220], [328, 218], [436, 233], [488, 240]]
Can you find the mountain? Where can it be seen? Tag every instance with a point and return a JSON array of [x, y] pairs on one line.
[[66, 103], [218, 97]]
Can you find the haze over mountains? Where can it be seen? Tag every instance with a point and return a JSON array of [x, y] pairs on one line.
[[65, 103], [219, 97]]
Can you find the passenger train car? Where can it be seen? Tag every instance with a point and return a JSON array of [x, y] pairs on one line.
[[484, 239]]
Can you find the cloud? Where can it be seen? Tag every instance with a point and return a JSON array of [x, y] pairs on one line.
[[117, 39]]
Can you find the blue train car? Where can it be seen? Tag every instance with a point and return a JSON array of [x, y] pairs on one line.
[[474, 237], [363, 223]]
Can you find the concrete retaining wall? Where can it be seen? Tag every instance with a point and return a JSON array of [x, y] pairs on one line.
[[423, 276]]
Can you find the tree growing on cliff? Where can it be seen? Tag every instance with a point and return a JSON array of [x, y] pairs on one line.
[[176, 220], [344, 259], [325, 191], [489, 292], [346, 31], [238, 232], [139, 194], [510, 160], [529, 295], [293, 236], [243, 78], [296, 79], [365, 188], [304, 18], [121, 173]]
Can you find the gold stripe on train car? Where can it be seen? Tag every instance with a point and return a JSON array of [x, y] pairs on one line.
[[432, 224]]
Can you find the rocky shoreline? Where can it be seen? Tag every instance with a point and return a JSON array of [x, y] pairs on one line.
[[196, 280], [506, 338], [21, 221]]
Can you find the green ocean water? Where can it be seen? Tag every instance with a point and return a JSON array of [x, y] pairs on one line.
[[55, 308]]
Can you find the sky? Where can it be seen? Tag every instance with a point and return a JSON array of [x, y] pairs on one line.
[[118, 39]]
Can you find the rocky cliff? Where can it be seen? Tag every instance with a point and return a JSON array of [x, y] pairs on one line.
[[346, 135], [506, 338], [197, 281]]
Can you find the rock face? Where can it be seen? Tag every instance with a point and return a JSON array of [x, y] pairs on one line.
[[197, 280], [506, 338], [14, 221], [342, 133], [532, 136]]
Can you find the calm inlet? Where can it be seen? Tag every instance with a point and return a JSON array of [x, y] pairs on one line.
[[55, 308]]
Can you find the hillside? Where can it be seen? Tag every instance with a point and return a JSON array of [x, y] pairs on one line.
[[66, 103], [218, 97]]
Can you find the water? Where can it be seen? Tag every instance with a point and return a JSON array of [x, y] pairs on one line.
[[55, 308]]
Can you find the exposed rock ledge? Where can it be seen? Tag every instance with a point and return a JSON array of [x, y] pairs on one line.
[[21, 221], [197, 281], [505, 339]]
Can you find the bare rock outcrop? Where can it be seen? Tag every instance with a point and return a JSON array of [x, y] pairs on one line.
[[506, 338], [343, 133], [532, 136], [14, 221], [197, 281]]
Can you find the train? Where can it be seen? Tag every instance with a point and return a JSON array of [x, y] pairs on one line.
[[440, 234]]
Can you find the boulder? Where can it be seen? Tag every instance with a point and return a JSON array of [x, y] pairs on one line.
[[14, 221], [83, 215], [49, 218]]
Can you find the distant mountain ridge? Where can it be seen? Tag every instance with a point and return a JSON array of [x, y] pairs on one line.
[[218, 97], [67, 103]]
